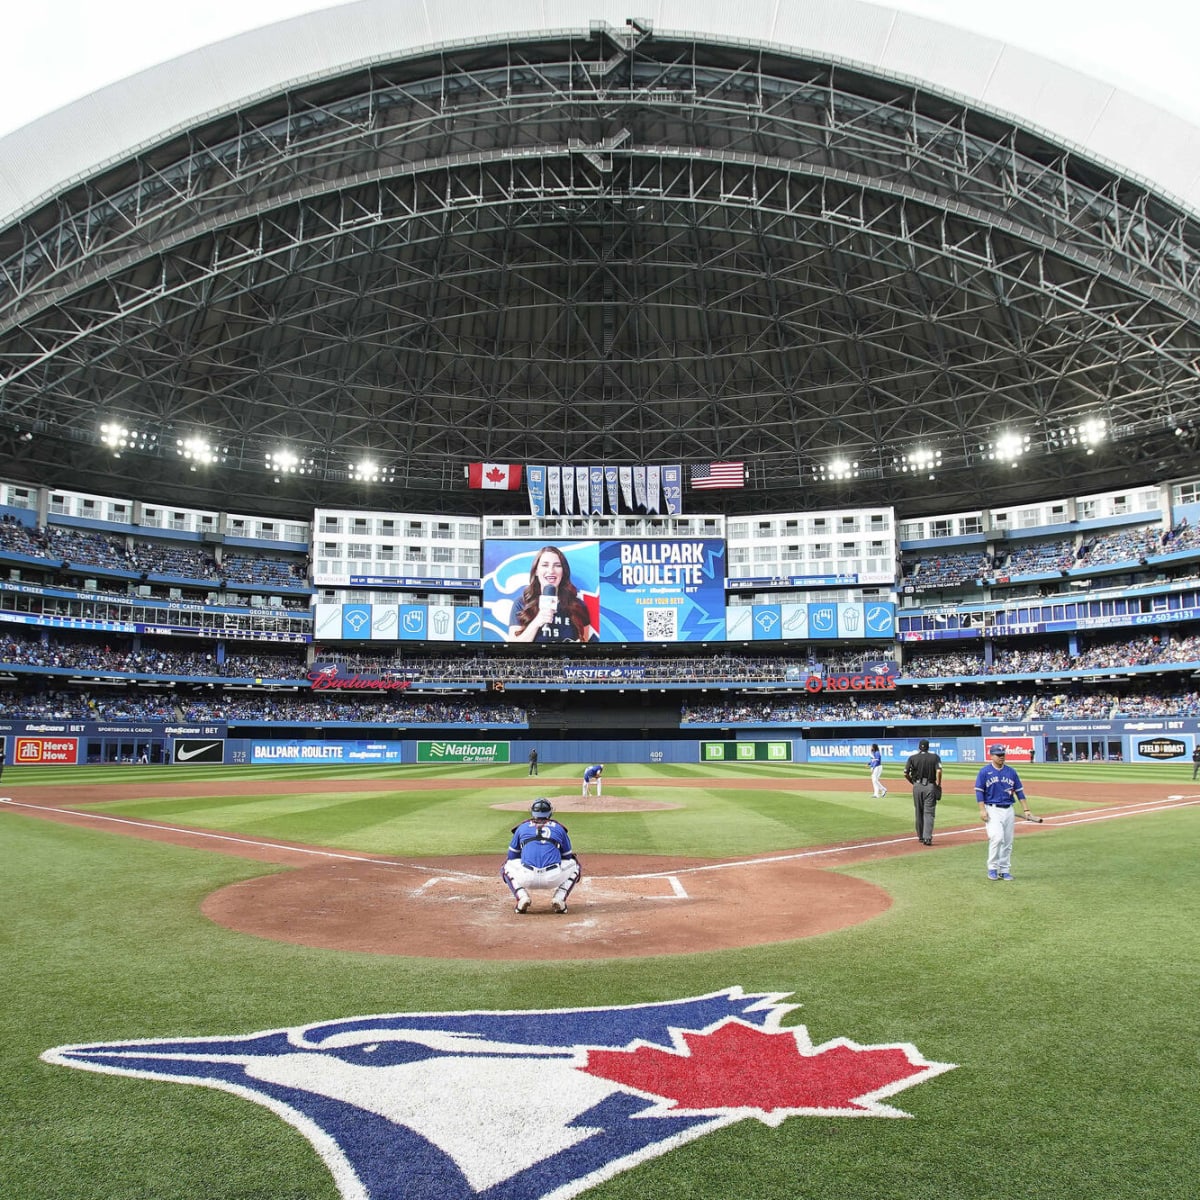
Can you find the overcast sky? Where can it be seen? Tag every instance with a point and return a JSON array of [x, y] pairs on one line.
[[59, 50]]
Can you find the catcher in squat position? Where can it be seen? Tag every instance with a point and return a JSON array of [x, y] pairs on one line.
[[540, 856]]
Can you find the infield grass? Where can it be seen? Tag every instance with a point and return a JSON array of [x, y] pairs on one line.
[[1067, 999]]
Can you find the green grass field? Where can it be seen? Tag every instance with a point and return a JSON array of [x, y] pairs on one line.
[[1067, 999]]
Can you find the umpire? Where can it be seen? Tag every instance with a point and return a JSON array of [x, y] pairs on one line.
[[924, 771]]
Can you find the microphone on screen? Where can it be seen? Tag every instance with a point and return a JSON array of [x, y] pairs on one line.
[[548, 600]]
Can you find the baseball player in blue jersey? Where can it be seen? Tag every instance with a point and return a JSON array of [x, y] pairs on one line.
[[875, 762], [540, 856], [592, 775], [997, 789]]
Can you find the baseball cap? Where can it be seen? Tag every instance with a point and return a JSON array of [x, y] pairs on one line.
[[996, 750]]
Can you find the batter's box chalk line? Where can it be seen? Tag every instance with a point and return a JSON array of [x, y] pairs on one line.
[[595, 886]]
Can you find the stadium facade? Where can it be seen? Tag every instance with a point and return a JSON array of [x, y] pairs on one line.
[[278, 297]]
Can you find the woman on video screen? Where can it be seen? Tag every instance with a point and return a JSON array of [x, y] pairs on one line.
[[550, 609]]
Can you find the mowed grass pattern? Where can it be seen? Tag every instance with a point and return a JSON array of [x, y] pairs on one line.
[[1067, 999]]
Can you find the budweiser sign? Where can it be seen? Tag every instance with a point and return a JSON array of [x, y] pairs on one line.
[[331, 677]]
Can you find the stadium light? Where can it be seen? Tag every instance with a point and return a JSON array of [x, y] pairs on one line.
[[369, 471], [118, 437], [198, 450], [1008, 447], [285, 462], [1088, 433], [920, 462], [837, 468]]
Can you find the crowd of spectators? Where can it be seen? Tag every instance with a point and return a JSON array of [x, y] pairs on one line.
[[365, 710], [947, 570], [1134, 545], [271, 708], [1093, 654], [802, 710], [120, 658], [71, 705], [1039, 558], [84, 549], [885, 708], [483, 667]]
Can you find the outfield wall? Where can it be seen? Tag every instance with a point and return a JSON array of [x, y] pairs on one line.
[[66, 743]]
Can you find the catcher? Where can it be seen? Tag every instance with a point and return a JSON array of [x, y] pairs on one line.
[[540, 856]]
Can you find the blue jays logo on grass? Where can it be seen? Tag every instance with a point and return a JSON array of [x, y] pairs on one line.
[[524, 1105]]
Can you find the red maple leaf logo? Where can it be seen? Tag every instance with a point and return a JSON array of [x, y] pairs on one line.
[[496, 475], [774, 1073]]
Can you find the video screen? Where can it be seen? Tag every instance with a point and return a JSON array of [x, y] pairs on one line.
[[610, 590]]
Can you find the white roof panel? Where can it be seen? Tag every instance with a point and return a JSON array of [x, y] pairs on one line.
[[1114, 127]]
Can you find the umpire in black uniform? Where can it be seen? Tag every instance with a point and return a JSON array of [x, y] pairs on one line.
[[924, 771]]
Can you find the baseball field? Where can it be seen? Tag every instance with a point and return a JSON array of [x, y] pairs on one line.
[[309, 984]]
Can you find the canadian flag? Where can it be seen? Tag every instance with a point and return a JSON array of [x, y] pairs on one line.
[[501, 477]]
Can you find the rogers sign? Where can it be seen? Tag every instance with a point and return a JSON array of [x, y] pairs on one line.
[[329, 679], [850, 683]]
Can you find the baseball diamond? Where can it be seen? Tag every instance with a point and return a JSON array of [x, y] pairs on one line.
[[600, 604]]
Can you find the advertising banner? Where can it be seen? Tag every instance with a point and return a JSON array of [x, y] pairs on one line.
[[462, 752], [858, 750], [735, 752], [300, 752], [45, 751], [197, 750], [622, 590]]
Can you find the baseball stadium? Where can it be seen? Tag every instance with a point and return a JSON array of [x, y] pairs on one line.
[[546, 551]]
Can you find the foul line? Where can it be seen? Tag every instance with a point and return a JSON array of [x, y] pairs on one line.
[[1129, 810], [226, 837], [1126, 810]]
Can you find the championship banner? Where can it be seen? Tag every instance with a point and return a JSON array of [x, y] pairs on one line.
[[553, 486], [610, 486], [639, 487], [596, 488], [652, 489], [537, 491], [625, 474], [568, 488], [581, 489]]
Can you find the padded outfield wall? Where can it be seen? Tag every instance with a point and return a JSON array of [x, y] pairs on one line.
[[82, 743]]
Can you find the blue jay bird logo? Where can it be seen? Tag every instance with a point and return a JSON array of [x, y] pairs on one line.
[[523, 1105]]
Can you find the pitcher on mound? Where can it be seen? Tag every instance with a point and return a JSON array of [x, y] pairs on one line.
[[540, 856], [590, 776]]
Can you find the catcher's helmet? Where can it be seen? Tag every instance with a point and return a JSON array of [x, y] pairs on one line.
[[541, 809]]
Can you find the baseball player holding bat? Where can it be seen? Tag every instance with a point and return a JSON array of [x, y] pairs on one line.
[[540, 856], [997, 789]]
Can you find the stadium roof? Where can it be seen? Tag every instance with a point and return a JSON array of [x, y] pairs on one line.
[[559, 232]]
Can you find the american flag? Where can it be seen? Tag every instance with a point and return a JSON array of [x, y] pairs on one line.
[[719, 475]]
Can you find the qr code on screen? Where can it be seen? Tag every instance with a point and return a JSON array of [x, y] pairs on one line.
[[660, 624]]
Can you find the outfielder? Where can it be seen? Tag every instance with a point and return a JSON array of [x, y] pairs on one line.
[[540, 856], [875, 763], [592, 775], [997, 789]]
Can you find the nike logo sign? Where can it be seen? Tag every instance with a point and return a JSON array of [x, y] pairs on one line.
[[187, 755]]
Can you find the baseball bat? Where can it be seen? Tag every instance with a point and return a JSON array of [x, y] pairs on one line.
[[1029, 817]]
